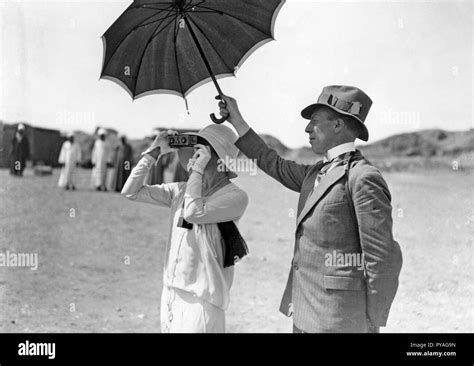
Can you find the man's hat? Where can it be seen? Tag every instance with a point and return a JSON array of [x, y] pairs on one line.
[[344, 99], [101, 131]]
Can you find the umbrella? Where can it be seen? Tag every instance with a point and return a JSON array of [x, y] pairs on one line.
[[174, 46]]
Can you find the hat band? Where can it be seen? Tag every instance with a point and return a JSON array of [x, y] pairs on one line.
[[348, 107]]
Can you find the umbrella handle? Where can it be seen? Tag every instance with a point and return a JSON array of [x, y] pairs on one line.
[[213, 116], [218, 120]]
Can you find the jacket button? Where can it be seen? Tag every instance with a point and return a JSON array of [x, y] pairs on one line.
[[295, 266]]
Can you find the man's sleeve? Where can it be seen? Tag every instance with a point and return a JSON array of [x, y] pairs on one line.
[[287, 172], [382, 254]]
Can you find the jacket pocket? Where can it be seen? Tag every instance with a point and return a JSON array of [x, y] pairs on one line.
[[343, 283]]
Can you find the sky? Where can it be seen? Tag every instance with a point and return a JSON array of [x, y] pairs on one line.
[[413, 59]]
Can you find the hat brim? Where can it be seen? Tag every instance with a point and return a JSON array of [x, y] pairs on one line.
[[309, 110], [219, 152]]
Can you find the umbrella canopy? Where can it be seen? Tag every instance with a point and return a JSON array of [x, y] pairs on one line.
[[173, 46]]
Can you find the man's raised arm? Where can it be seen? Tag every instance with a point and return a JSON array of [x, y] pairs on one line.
[[287, 172]]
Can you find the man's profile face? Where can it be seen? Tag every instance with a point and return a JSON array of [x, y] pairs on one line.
[[321, 131]]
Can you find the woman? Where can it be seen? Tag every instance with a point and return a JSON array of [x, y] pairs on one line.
[[196, 284]]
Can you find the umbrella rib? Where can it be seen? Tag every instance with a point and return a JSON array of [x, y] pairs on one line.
[[214, 48], [203, 12], [147, 6], [157, 20], [176, 55], [123, 39], [230, 15], [153, 35], [162, 29], [191, 5]]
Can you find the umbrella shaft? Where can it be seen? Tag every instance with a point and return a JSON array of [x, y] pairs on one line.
[[201, 52]]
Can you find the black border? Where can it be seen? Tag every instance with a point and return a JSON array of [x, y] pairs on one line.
[[239, 347]]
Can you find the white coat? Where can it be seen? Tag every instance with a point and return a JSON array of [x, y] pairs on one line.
[[70, 155], [100, 153]]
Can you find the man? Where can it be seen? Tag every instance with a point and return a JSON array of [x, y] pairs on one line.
[[344, 273], [100, 154], [19, 151], [69, 158], [123, 163]]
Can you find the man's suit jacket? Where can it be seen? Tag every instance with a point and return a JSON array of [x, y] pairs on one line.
[[323, 293]]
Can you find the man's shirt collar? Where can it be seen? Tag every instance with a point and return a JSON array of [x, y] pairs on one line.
[[339, 150]]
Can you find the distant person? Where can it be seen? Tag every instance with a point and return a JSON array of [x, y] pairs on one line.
[[175, 172], [346, 264], [123, 163], [167, 169], [69, 158], [198, 268], [156, 173], [100, 155], [19, 151]]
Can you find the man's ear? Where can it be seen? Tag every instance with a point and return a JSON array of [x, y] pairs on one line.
[[338, 125]]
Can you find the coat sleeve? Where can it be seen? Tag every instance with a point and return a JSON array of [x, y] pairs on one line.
[[135, 189], [382, 254], [287, 172], [210, 210]]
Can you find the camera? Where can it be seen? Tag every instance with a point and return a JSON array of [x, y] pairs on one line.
[[182, 140]]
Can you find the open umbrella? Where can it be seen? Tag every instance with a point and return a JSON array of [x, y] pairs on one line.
[[174, 46]]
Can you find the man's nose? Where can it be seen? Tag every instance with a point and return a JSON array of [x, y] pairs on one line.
[[308, 128]]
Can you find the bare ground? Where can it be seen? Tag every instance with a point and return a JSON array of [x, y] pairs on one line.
[[84, 239]]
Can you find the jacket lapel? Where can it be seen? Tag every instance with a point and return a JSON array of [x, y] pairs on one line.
[[308, 185], [331, 177]]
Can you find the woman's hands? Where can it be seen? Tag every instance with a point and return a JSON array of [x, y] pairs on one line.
[[200, 159], [160, 145]]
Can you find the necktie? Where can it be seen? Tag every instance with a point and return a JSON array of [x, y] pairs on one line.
[[322, 172], [327, 166]]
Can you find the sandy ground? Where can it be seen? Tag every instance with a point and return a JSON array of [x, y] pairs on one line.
[[100, 256]]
